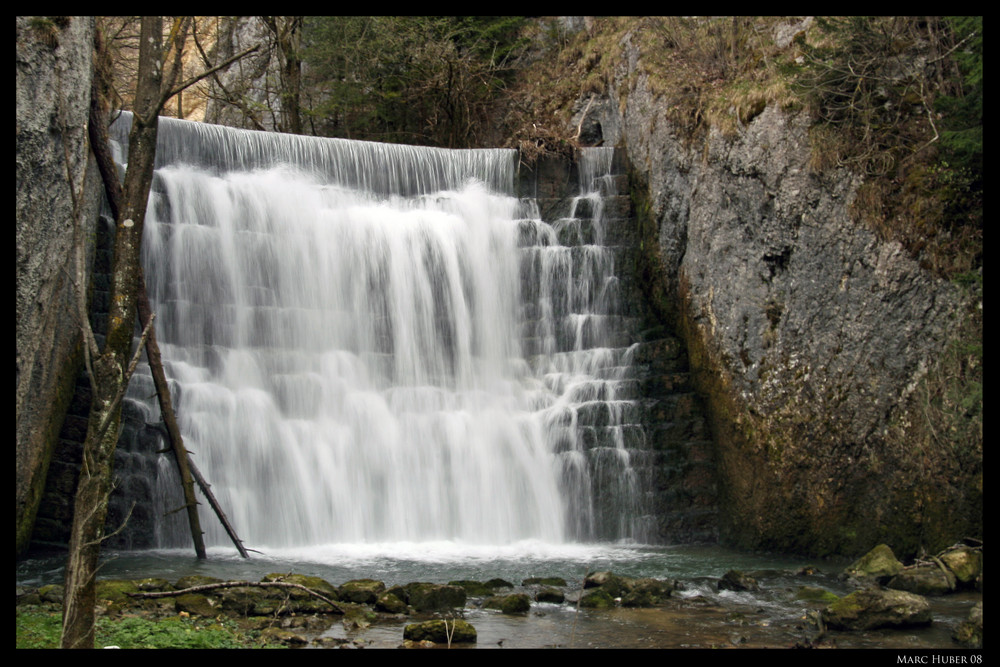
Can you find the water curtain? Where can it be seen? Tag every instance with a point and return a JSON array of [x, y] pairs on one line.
[[380, 343]]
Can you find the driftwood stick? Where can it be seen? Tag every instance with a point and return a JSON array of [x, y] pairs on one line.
[[206, 489], [173, 431], [237, 584]]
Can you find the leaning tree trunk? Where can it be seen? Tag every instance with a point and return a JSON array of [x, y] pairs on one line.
[[110, 370]]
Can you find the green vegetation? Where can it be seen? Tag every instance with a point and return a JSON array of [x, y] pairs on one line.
[[430, 80], [37, 629], [899, 99]]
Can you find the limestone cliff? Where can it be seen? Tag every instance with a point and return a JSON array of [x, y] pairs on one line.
[[53, 98], [806, 330]]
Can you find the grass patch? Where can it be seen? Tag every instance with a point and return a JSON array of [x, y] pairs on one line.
[[38, 629]]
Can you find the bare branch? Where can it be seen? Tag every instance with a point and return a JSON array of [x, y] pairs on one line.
[[229, 61], [240, 584]]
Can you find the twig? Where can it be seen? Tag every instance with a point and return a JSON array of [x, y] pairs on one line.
[[450, 633]]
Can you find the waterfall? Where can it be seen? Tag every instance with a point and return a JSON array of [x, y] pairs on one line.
[[380, 343]]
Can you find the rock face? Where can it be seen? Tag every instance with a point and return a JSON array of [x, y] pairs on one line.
[[53, 65], [805, 330]]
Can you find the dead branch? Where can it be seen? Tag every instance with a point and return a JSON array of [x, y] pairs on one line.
[[240, 584]]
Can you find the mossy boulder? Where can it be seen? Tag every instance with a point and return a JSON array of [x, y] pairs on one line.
[[153, 584], [439, 631], [597, 598], [248, 601], [869, 609], [515, 603], [361, 591], [193, 580], [116, 590], [550, 594], [969, 632], [473, 588], [544, 581], [28, 596], [638, 599], [965, 563], [196, 604], [283, 636], [815, 594], [880, 564], [612, 584], [317, 584], [390, 604], [499, 583], [926, 579], [52, 593], [357, 616], [430, 597], [648, 592]]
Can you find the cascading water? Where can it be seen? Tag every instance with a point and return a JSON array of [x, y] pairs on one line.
[[375, 343]]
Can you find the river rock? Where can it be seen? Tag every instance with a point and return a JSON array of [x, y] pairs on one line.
[[192, 580], [734, 580], [471, 587], [815, 594], [27, 596], [283, 636], [612, 584], [647, 592], [248, 601], [52, 593], [317, 584], [869, 609], [965, 563], [196, 604], [390, 604], [970, 632], [550, 594], [430, 597], [929, 579], [879, 564], [153, 584], [597, 599], [361, 591], [515, 603], [437, 631], [544, 581]]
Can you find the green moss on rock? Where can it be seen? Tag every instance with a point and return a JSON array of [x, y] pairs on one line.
[[116, 590], [439, 631], [880, 563], [597, 599], [361, 591], [869, 609]]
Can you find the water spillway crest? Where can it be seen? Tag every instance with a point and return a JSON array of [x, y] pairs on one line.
[[381, 344]]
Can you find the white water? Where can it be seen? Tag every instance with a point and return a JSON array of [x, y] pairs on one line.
[[342, 323]]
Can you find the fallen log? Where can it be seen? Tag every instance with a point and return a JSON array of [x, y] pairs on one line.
[[238, 584]]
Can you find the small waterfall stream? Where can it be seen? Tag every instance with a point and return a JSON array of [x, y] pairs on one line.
[[372, 344]]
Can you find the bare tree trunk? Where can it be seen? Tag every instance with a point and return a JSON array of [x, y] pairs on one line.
[[110, 371], [288, 37]]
